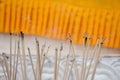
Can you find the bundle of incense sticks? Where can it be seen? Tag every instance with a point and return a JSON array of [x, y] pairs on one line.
[[10, 64]]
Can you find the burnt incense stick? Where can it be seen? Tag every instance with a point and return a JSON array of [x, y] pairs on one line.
[[93, 55], [66, 67], [3, 69], [20, 56], [6, 65], [42, 50], [44, 57], [75, 64], [10, 68], [86, 55], [71, 69], [14, 57], [83, 56], [23, 55], [32, 63], [73, 55], [10, 55], [97, 59], [55, 67], [16, 66], [38, 65], [59, 57]]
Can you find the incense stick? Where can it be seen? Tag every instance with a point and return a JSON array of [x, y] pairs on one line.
[[97, 59], [71, 49], [59, 57], [10, 55], [3, 69], [32, 63], [93, 55], [86, 55], [6, 65], [42, 51], [16, 66], [38, 65], [44, 57], [55, 66], [23, 55], [71, 69], [75, 63], [14, 61], [83, 56], [11, 72], [66, 68]]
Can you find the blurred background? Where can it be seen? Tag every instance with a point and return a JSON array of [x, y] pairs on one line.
[[56, 18]]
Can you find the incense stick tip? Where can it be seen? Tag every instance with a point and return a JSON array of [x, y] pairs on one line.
[[22, 34], [10, 33]]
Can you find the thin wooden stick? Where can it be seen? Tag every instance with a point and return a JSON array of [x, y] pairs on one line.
[[38, 65], [86, 55], [14, 61], [71, 69], [32, 63], [10, 55], [42, 51], [66, 68], [55, 67], [73, 55], [16, 66], [44, 57], [83, 56], [6, 65], [97, 59], [75, 63], [24, 56], [3, 69], [59, 57], [93, 55]]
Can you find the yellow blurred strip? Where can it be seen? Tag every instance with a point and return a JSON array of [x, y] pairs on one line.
[[113, 29], [102, 23], [81, 24], [33, 18], [66, 13], [73, 24], [7, 16], [2, 14], [40, 18], [72, 17], [108, 27], [46, 16], [85, 22], [2, 8], [24, 16], [96, 27], [117, 35], [57, 20], [61, 21], [51, 20], [18, 16], [28, 17], [77, 26], [13, 16], [91, 22]]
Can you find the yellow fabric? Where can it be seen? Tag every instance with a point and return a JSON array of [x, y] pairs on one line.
[[56, 19]]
